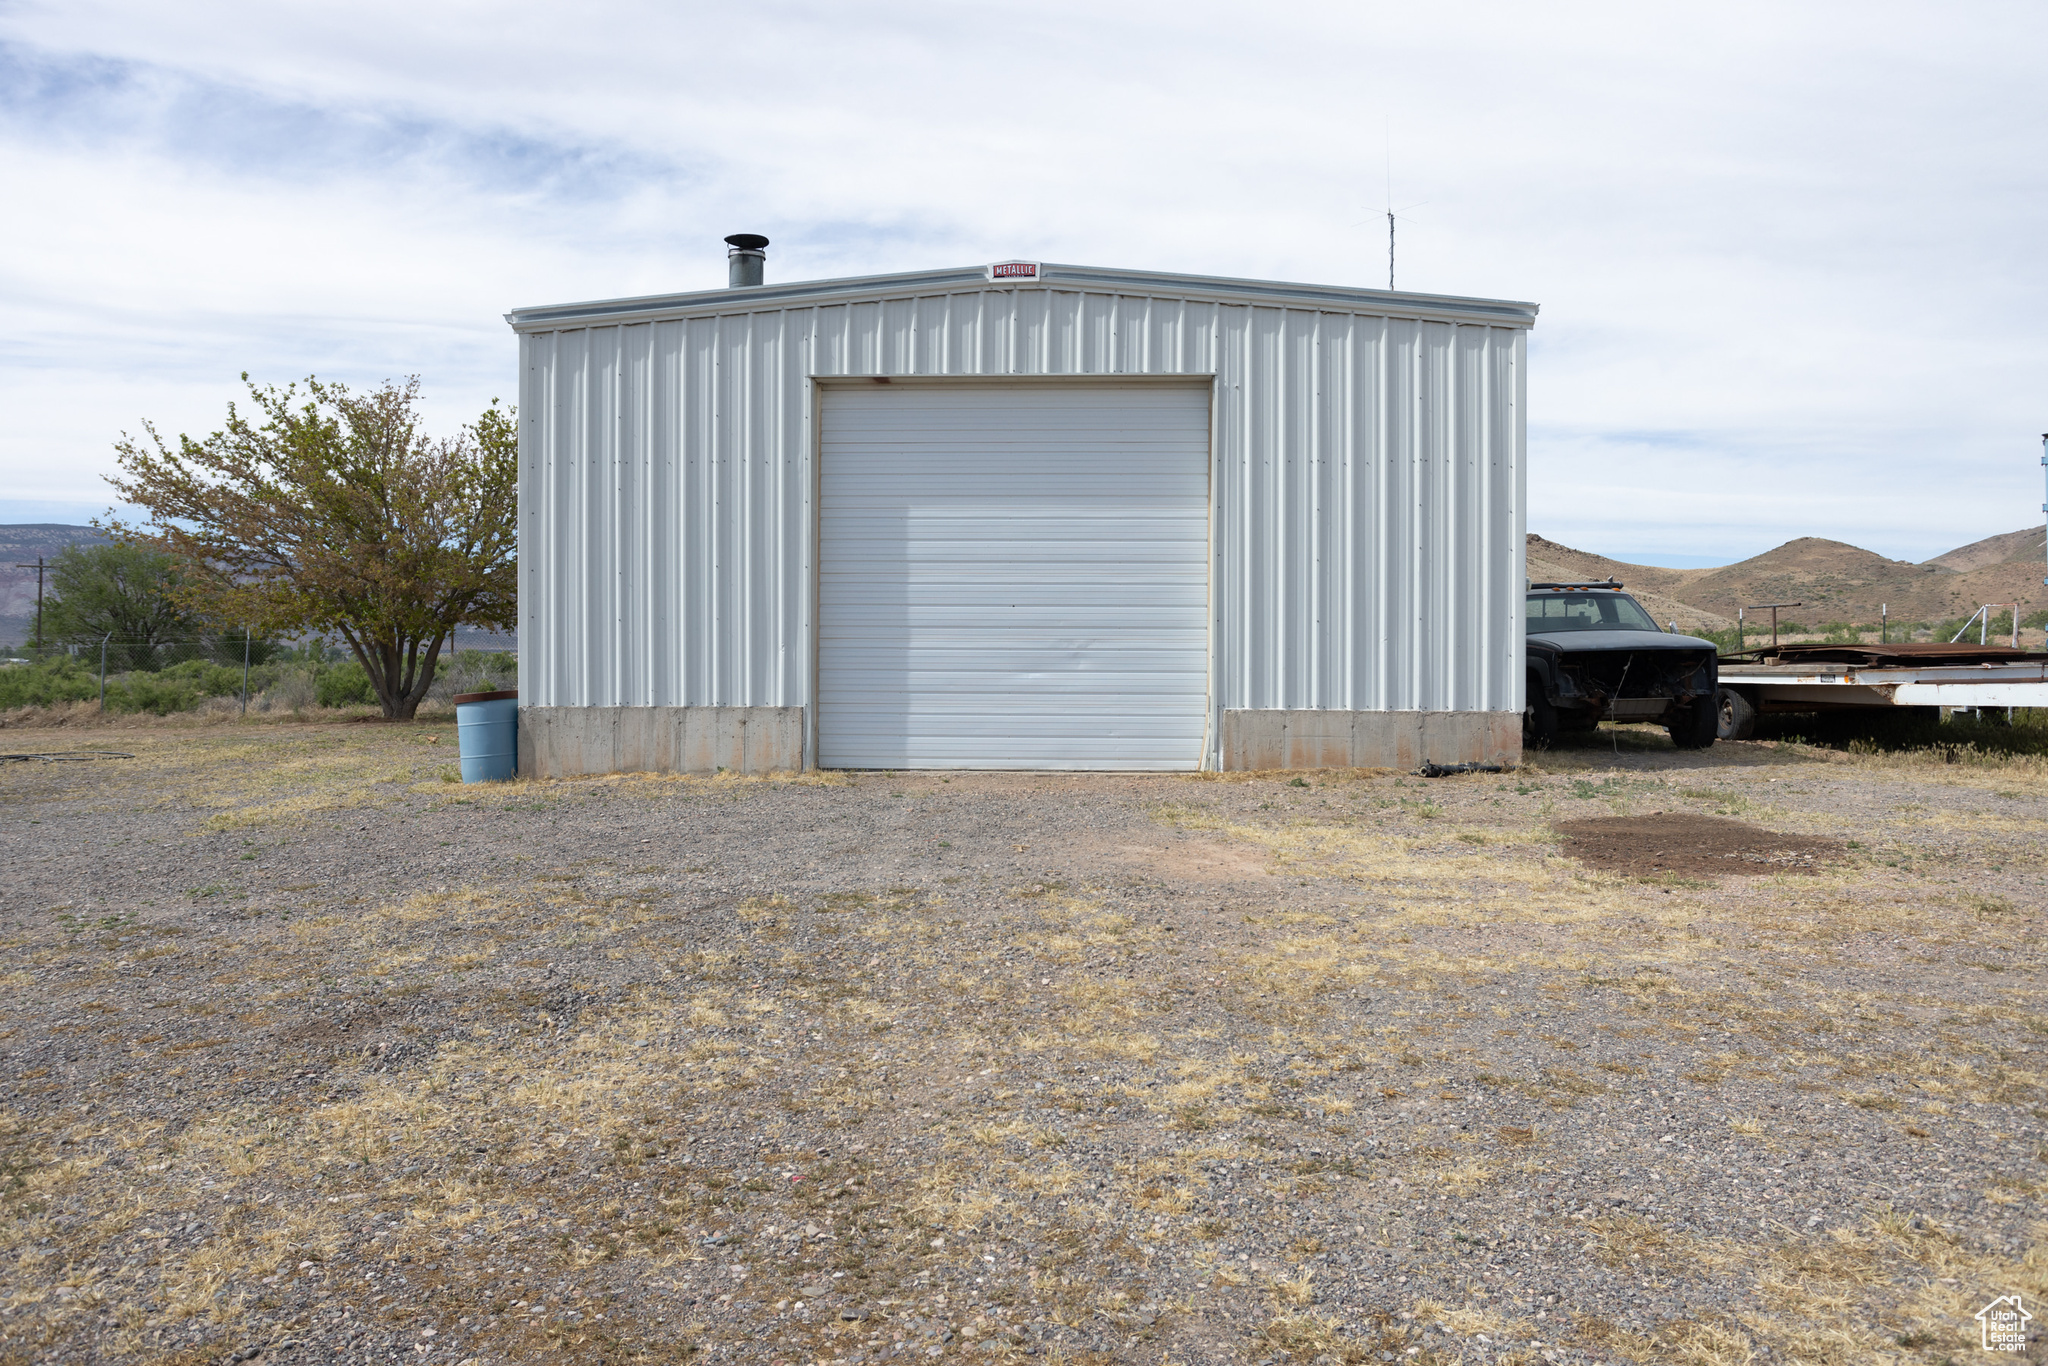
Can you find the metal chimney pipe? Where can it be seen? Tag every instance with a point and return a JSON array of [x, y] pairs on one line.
[[744, 260]]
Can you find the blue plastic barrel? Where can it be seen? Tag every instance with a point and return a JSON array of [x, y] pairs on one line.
[[487, 733]]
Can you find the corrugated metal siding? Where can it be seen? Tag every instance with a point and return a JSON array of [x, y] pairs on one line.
[[1368, 514]]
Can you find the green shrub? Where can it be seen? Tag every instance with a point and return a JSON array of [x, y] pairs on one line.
[[206, 678], [345, 685], [174, 688], [57, 679], [1725, 641], [2001, 626], [155, 693]]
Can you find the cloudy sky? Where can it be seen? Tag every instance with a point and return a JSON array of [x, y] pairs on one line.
[[1790, 257]]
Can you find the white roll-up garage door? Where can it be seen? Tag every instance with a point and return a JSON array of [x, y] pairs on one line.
[[1013, 576]]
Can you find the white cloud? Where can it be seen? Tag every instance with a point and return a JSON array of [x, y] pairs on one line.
[[1788, 255]]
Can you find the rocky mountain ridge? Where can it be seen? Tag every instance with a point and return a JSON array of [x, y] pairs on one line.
[[1830, 580]]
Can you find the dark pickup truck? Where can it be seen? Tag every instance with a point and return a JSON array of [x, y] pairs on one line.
[[1595, 655]]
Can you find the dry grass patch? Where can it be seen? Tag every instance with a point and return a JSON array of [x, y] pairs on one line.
[[1465, 1178], [1361, 852], [943, 1202], [1310, 1338], [1897, 1268], [1296, 1290], [1625, 1239]]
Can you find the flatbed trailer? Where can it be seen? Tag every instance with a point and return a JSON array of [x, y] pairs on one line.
[[1837, 678]]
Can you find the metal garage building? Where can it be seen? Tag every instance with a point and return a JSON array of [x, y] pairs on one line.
[[1020, 516]]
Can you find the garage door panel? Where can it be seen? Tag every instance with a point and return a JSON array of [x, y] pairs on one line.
[[944, 732], [1133, 721], [1065, 441], [1102, 652], [979, 635], [1065, 410], [1014, 657], [1025, 679], [1076, 497], [1013, 577], [1153, 577], [1070, 612], [958, 541], [958, 603], [961, 553]]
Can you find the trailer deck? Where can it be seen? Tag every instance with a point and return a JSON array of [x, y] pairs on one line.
[[1816, 678]]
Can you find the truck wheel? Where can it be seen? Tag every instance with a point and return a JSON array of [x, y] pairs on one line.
[[1736, 715], [1539, 719], [1695, 726]]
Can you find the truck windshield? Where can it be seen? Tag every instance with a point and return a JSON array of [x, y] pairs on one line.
[[1586, 612]]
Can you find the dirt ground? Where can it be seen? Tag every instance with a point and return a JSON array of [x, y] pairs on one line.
[[312, 1054], [1684, 844]]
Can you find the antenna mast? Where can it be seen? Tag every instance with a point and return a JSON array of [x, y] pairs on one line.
[[1390, 214]]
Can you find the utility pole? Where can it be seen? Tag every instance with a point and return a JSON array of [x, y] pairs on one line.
[[38, 567]]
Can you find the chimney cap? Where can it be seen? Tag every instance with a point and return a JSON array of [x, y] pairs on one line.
[[747, 241]]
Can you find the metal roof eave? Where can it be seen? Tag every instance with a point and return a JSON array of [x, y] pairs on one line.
[[1057, 278]]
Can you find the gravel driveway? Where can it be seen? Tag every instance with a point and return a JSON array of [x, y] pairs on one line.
[[313, 1055]]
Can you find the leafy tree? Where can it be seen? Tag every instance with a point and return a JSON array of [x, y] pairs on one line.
[[331, 511], [238, 645], [124, 591]]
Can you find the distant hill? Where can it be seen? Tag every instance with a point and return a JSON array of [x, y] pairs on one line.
[[1833, 581], [20, 543], [1554, 563], [2014, 577], [1995, 550]]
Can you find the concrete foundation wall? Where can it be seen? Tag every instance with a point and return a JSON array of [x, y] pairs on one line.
[[1369, 739], [570, 742]]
